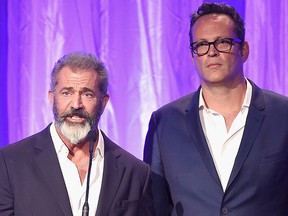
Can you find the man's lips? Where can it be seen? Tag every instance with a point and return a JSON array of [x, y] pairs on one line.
[[214, 65], [75, 118]]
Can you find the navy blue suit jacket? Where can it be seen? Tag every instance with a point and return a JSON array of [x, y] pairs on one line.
[[184, 178], [31, 182]]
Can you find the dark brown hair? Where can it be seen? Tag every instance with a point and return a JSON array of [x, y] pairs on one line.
[[216, 8]]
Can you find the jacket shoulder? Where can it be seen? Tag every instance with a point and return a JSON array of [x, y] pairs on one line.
[[121, 154], [28, 142], [180, 103]]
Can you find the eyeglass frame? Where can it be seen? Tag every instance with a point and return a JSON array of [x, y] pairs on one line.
[[232, 42]]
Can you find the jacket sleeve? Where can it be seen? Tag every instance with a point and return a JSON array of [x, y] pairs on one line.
[[160, 190]]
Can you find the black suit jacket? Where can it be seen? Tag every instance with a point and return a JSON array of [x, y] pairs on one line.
[[31, 182], [185, 180]]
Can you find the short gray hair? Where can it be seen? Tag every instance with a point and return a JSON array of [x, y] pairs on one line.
[[82, 61]]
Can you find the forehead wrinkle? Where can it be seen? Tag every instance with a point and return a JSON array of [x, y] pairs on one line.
[[78, 82]]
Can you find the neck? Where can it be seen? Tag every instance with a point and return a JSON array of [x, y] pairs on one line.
[[224, 98]]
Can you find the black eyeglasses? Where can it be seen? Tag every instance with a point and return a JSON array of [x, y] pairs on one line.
[[201, 48]]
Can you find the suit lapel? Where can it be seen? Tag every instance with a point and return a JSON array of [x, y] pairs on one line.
[[253, 124], [112, 177], [48, 164], [194, 125]]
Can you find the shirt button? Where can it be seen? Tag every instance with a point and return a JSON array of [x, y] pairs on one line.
[[224, 210]]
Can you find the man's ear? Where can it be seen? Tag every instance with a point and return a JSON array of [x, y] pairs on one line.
[[51, 97], [245, 51], [192, 57], [105, 100]]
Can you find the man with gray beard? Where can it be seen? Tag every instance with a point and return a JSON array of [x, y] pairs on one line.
[[48, 173]]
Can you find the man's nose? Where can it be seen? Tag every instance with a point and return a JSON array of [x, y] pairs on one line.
[[76, 101], [213, 51]]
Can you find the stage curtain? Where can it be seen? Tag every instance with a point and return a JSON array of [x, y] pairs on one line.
[[145, 46]]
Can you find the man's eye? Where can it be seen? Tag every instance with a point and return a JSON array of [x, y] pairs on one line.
[[87, 96], [224, 41], [201, 44], [65, 93]]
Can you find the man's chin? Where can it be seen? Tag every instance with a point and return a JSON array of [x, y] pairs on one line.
[[74, 132]]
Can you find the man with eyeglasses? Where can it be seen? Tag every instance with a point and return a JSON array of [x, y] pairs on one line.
[[222, 150]]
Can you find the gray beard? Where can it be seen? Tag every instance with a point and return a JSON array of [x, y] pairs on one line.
[[75, 133]]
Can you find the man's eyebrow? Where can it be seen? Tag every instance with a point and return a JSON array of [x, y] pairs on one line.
[[67, 88], [85, 89]]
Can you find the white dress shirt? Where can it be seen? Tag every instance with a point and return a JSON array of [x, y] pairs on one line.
[[76, 190], [224, 145]]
